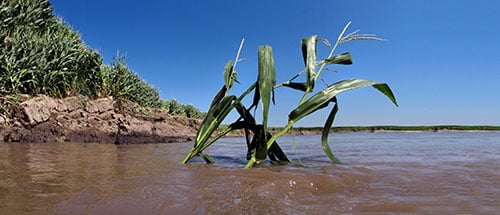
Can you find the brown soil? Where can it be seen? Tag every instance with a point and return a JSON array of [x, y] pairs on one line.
[[105, 120]]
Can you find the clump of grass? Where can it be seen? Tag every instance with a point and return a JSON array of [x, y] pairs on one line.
[[39, 54], [173, 107], [121, 82], [260, 142]]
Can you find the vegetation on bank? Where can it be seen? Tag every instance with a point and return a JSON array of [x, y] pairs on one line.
[[175, 108], [40, 54], [376, 128], [397, 128]]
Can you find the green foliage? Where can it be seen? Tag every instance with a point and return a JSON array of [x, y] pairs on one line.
[[32, 13], [40, 54], [175, 108], [121, 82], [263, 144], [192, 112]]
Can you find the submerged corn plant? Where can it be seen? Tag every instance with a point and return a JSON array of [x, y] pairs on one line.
[[260, 142]]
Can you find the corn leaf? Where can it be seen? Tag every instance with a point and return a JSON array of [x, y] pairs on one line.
[[215, 115], [259, 142], [386, 90], [322, 98], [275, 153], [228, 75], [207, 158], [297, 86], [309, 55], [266, 80], [256, 97], [219, 96], [326, 132], [244, 113], [344, 59]]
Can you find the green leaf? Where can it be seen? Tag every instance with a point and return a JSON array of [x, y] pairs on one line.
[[207, 158], [228, 75], [244, 113], [259, 141], [266, 80], [215, 115], [256, 97], [326, 132], [309, 55], [219, 96], [275, 153], [344, 59], [386, 90], [322, 98], [297, 86]]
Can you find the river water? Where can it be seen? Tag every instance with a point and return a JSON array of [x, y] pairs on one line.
[[422, 172]]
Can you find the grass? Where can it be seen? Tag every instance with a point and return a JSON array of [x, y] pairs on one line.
[[261, 143], [40, 54]]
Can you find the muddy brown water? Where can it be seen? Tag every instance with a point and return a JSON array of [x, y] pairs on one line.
[[420, 173]]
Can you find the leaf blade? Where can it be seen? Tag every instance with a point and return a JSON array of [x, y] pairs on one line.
[[343, 59], [309, 54], [266, 80], [229, 75], [296, 86], [326, 132], [322, 98]]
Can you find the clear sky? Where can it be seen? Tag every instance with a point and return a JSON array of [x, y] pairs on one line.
[[441, 57]]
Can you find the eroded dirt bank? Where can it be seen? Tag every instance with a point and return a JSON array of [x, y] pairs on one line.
[[105, 120]]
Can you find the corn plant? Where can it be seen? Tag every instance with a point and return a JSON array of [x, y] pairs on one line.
[[40, 54], [260, 142]]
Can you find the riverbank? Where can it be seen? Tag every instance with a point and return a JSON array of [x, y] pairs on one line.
[[104, 120], [385, 128]]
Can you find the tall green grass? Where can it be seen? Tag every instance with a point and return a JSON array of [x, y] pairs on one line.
[[261, 142], [40, 54], [173, 107]]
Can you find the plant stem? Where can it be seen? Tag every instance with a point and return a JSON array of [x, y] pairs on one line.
[[195, 151], [304, 97], [238, 54], [224, 132], [270, 142], [333, 50]]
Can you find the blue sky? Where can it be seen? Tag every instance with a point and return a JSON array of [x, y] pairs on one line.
[[441, 58]]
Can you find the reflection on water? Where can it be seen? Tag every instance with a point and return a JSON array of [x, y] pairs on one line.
[[385, 172]]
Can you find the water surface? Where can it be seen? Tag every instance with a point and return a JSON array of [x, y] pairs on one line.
[[423, 172]]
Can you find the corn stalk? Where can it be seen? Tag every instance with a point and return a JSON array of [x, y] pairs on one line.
[[260, 142], [40, 54]]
